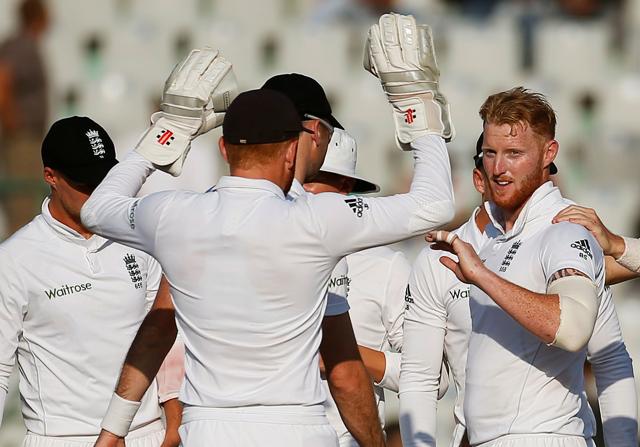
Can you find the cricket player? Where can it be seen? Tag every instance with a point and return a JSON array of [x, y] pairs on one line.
[[346, 375], [375, 281], [535, 298], [438, 315], [248, 287], [71, 303]]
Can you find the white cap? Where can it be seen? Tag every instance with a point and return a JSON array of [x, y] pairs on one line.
[[341, 159]]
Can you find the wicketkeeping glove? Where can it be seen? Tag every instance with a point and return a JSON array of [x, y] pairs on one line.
[[401, 54], [195, 98]]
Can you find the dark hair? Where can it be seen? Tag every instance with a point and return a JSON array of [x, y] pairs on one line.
[[31, 10]]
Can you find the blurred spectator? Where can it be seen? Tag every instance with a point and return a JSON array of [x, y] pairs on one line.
[[23, 110], [360, 12], [475, 9]]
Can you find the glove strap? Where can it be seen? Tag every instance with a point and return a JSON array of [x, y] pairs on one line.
[[164, 142]]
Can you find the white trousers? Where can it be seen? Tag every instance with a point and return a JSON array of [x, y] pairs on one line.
[[150, 435], [257, 426], [541, 440]]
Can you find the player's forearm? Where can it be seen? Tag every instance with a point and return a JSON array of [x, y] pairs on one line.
[[110, 202], [537, 312], [374, 361], [616, 273], [153, 341], [431, 187], [417, 418], [173, 417], [420, 371], [352, 391], [615, 382]]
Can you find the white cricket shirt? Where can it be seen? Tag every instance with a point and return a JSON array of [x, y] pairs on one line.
[[377, 280], [515, 383], [438, 314], [69, 310], [436, 326], [248, 268]]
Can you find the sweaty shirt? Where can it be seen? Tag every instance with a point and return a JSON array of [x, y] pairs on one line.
[[69, 310], [248, 268]]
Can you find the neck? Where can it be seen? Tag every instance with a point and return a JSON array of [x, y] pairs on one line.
[[61, 215], [482, 218], [301, 158], [261, 174]]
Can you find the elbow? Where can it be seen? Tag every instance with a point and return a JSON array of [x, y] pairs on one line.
[[444, 213], [573, 344], [347, 378], [87, 217]]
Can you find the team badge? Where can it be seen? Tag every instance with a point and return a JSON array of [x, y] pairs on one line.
[[134, 270]]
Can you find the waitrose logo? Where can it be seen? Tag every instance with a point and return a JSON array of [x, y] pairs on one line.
[[67, 290]]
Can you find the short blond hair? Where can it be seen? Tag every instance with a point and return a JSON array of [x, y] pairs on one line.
[[520, 105], [246, 156]]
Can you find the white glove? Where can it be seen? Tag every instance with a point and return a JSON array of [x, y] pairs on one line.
[[195, 98], [401, 54]]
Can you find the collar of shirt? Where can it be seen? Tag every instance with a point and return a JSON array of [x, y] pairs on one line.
[[94, 243], [296, 190], [538, 205], [233, 182], [470, 233]]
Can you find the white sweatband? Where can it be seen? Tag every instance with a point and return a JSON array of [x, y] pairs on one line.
[[119, 415], [630, 258], [578, 311]]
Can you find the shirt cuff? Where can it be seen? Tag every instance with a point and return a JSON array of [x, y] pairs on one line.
[[391, 378]]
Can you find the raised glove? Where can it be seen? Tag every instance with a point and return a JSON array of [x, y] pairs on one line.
[[401, 54], [195, 98]]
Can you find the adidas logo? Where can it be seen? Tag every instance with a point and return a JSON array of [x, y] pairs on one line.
[[357, 205], [585, 249]]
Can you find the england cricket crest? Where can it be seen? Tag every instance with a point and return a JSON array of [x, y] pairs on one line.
[[96, 143], [134, 270]]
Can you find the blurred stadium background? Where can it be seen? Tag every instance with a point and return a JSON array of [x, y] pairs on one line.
[[108, 59]]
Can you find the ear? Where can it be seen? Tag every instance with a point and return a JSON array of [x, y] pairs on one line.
[[478, 180], [314, 126], [550, 152], [223, 149], [290, 154], [50, 177]]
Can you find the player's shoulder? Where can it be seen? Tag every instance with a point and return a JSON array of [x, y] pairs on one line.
[[566, 240], [563, 233], [26, 241]]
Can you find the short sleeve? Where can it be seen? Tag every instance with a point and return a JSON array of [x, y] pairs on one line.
[[567, 245]]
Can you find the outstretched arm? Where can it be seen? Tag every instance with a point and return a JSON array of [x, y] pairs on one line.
[[349, 381]]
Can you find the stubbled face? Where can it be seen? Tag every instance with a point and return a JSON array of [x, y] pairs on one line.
[[514, 159]]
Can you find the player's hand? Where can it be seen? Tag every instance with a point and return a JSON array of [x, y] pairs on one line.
[[196, 96], [171, 439], [107, 439], [612, 244], [402, 55], [469, 268]]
